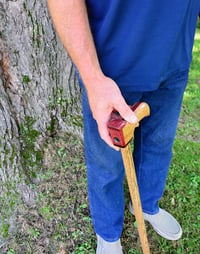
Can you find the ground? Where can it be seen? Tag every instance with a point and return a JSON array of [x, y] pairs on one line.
[[59, 221]]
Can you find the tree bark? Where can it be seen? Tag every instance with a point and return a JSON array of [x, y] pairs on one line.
[[39, 95]]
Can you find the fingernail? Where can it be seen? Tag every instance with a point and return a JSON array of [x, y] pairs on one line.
[[133, 119]]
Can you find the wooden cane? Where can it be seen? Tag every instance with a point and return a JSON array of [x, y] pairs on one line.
[[121, 133]]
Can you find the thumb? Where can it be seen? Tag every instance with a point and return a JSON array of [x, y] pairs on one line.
[[127, 113]]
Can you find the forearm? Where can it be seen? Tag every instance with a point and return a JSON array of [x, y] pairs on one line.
[[71, 22]]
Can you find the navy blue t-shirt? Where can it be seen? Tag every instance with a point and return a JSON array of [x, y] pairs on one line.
[[141, 43]]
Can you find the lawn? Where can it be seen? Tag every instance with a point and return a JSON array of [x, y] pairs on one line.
[[59, 221]]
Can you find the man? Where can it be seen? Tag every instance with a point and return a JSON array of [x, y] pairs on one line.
[[124, 52]]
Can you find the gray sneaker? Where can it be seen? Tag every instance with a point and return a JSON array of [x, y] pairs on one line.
[[163, 223], [104, 247]]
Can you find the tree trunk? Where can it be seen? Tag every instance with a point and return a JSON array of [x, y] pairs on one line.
[[39, 95]]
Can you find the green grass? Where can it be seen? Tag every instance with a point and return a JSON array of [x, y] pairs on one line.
[[181, 198], [189, 125]]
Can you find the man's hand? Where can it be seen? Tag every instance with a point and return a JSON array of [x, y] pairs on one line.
[[104, 97]]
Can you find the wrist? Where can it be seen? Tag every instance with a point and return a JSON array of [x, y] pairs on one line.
[[93, 78]]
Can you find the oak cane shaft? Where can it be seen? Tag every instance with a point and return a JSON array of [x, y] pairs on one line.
[[141, 111], [135, 197]]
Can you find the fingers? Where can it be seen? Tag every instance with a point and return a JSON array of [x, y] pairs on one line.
[[104, 134]]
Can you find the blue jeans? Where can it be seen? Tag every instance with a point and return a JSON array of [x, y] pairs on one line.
[[153, 142]]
